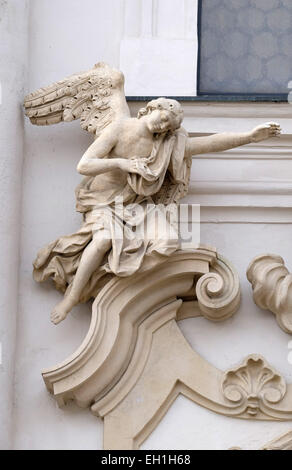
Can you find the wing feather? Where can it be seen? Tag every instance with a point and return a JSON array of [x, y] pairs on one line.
[[96, 97]]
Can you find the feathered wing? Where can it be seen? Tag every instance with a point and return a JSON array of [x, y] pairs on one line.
[[96, 97]]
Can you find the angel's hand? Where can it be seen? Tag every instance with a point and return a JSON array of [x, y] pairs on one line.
[[265, 131]]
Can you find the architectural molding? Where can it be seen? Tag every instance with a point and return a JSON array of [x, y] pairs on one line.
[[279, 150], [284, 442], [254, 386], [239, 214], [241, 194], [272, 287], [110, 341], [237, 201], [217, 187], [214, 117], [135, 361]]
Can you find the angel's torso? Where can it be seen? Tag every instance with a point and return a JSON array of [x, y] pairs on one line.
[[133, 139]]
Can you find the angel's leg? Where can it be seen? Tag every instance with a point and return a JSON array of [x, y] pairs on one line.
[[91, 259]]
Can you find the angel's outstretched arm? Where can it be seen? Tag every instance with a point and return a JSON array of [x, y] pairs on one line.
[[226, 141]]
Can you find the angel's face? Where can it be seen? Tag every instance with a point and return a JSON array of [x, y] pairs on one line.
[[159, 121]]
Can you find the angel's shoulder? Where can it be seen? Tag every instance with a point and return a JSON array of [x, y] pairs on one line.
[[124, 126], [120, 130], [131, 125], [111, 130]]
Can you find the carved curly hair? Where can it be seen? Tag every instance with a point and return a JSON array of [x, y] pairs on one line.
[[167, 104]]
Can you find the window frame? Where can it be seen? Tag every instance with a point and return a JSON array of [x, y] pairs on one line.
[[254, 97], [215, 97]]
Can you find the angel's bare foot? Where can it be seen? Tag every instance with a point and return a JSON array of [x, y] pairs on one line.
[[62, 309]]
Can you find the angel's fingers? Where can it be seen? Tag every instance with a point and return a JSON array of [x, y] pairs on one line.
[[273, 128], [275, 134]]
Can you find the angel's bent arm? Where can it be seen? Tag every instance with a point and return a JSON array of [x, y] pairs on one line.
[[94, 161]]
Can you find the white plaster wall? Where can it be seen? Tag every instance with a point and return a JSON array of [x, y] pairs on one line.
[[13, 66], [70, 35]]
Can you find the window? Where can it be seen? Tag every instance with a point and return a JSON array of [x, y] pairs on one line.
[[245, 47]]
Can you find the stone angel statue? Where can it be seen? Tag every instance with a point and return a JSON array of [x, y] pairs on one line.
[[143, 160]]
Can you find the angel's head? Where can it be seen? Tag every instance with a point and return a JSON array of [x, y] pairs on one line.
[[162, 115]]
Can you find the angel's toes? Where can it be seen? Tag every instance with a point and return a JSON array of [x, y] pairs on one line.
[[58, 315]]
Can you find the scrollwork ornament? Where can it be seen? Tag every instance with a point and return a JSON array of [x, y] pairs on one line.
[[272, 287], [218, 291]]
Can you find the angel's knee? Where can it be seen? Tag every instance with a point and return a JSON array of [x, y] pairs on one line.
[[102, 241]]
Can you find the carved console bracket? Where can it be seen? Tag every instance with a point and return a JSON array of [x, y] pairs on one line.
[[135, 361], [272, 287]]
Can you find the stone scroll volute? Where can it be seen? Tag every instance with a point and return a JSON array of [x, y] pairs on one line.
[[272, 287]]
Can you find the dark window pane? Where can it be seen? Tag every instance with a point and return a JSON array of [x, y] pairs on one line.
[[246, 46]]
